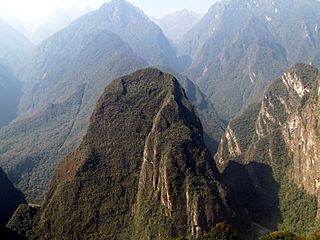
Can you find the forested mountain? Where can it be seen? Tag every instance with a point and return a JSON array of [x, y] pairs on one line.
[[10, 93], [239, 47], [14, 47], [141, 166], [270, 153], [65, 82], [175, 25], [64, 78], [142, 171]]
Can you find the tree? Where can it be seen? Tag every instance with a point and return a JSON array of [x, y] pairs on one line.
[[223, 231], [282, 236]]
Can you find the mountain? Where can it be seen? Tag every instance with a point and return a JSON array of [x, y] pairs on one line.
[[10, 199], [177, 24], [14, 47], [56, 21], [142, 170], [239, 47], [213, 126], [269, 154], [10, 93], [66, 75], [133, 27]]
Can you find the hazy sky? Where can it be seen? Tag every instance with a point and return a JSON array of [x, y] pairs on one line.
[[35, 9]]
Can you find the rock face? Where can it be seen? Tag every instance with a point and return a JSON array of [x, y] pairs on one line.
[[142, 170], [276, 147], [10, 199]]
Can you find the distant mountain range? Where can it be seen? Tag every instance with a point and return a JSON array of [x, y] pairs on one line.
[[239, 47], [64, 78], [14, 47], [43, 28], [57, 20]]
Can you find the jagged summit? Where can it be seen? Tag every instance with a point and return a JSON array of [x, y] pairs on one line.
[[120, 5], [142, 170]]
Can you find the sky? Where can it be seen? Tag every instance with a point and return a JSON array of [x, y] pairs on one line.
[[33, 10]]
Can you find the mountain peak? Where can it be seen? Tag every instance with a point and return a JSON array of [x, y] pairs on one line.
[[143, 136], [121, 5]]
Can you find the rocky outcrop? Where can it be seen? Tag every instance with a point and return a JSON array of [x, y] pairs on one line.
[[142, 170], [281, 133]]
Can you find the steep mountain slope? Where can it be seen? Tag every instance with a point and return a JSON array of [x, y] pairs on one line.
[[10, 93], [177, 24], [64, 80], [14, 47], [213, 126], [239, 47], [10, 199], [275, 146], [56, 21], [142, 170], [302, 44]]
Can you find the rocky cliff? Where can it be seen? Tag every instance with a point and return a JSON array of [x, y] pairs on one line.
[[275, 146]]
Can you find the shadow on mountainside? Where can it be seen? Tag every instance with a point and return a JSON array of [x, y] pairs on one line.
[[256, 190]]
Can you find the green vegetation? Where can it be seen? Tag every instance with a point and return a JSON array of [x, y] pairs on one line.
[[223, 231], [282, 236], [264, 169], [140, 172]]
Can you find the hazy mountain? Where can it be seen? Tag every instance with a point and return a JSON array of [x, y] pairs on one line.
[[14, 47], [67, 75], [10, 93], [275, 146], [177, 24], [240, 46], [142, 170], [64, 78], [135, 28], [23, 26], [56, 21], [10, 199]]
